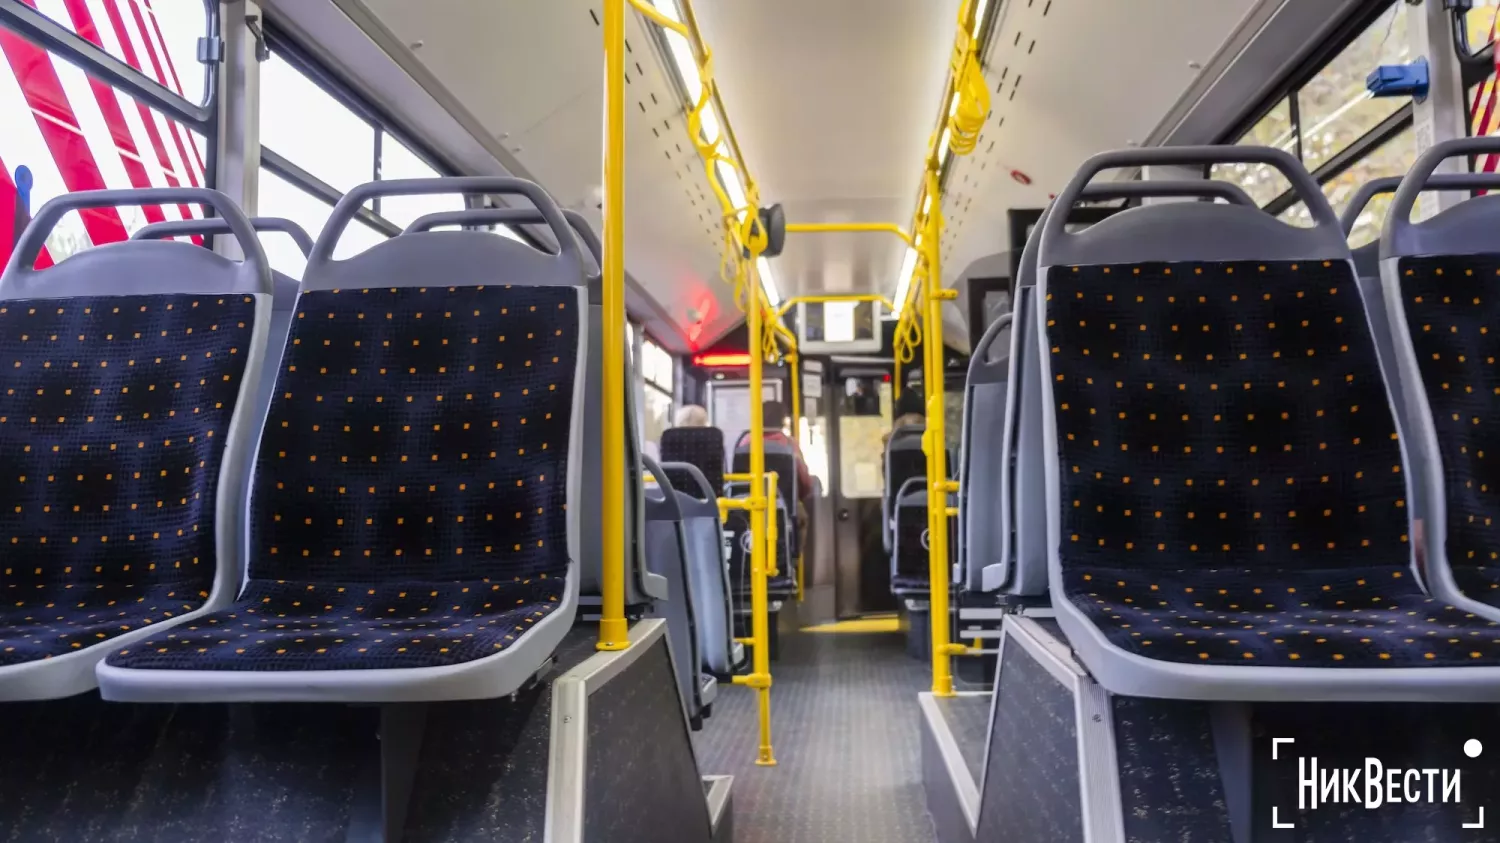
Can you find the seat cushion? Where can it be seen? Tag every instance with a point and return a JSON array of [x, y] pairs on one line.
[[286, 625], [1452, 307], [54, 620], [113, 420], [1341, 618]]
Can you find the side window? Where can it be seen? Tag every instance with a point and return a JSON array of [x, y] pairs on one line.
[[158, 39], [1344, 136], [74, 132], [657, 372]]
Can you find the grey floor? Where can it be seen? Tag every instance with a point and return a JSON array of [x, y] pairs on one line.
[[846, 732], [968, 718]]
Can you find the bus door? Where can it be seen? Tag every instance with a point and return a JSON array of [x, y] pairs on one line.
[[860, 407]]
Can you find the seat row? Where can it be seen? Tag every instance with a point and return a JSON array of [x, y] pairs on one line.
[[226, 486], [1261, 474]]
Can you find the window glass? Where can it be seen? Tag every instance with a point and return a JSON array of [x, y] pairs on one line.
[[73, 133], [397, 161], [657, 412], [158, 39], [1296, 215], [1392, 158], [1480, 23], [656, 366], [1334, 107], [281, 198], [309, 127], [1262, 182]]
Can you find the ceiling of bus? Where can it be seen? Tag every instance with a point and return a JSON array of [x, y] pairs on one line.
[[832, 102]]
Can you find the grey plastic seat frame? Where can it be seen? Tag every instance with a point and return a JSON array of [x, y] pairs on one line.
[[711, 594], [1202, 232], [1466, 228], [641, 586], [906, 437], [667, 546], [906, 498], [465, 258], [1009, 553], [986, 396], [1367, 256], [137, 268]]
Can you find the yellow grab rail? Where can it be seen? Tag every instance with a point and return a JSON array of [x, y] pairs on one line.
[[614, 630]]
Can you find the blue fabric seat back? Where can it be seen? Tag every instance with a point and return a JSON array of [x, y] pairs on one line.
[[113, 423], [698, 446], [420, 434], [1221, 415]]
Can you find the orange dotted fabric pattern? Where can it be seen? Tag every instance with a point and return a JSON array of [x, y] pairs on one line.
[[410, 496], [1453, 315], [113, 418], [1232, 489]]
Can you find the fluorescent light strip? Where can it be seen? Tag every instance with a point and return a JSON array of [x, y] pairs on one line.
[[903, 285]]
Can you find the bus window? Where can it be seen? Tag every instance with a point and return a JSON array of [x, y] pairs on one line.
[[158, 39], [864, 420], [77, 133]]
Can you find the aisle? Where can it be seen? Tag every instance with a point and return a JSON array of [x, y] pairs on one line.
[[847, 738]]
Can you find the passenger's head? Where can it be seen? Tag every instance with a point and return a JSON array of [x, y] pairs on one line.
[[773, 415], [692, 415], [910, 403]]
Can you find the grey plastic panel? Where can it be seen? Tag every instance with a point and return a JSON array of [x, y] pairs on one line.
[[523, 216], [136, 266], [1453, 232], [217, 225], [1197, 231], [465, 257], [703, 491], [666, 548]]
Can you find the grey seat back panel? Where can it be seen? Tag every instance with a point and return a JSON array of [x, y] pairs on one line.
[[698, 504], [983, 523], [903, 458], [665, 546]]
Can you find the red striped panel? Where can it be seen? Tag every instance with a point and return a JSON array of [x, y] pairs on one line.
[[172, 127], [172, 73], [59, 127], [117, 22]]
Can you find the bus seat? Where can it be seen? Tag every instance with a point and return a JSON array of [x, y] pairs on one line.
[[700, 447], [128, 479], [284, 290], [1017, 539], [667, 553], [780, 459], [1188, 350], [412, 534], [980, 470], [911, 571], [641, 586], [904, 459], [705, 543], [1440, 285]]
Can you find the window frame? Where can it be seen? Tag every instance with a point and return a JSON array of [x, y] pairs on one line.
[[34, 26], [1291, 84], [300, 59]]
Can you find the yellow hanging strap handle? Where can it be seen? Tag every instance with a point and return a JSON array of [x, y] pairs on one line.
[[971, 96]]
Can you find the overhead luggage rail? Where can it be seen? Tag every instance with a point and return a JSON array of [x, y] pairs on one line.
[[1439, 279], [1283, 427], [122, 543]]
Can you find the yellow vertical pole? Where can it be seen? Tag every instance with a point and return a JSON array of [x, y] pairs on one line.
[[935, 443], [614, 632], [759, 608], [795, 363]]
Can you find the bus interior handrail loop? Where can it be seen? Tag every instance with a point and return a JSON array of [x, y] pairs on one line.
[[209, 226], [1400, 236], [1388, 184]]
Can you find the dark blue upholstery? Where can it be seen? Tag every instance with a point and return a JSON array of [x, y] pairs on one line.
[[1453, 314], [913, 568], [113, 419], [1224, 428], [410, 490], [738, 527], [702, 447]]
